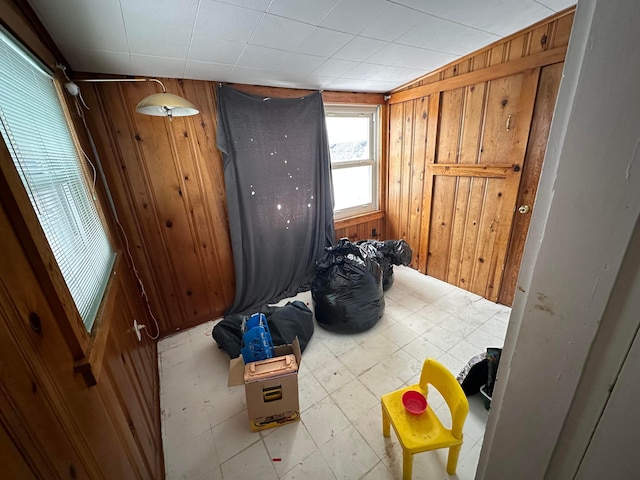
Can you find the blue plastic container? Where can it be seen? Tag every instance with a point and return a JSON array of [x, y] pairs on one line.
[[256, 338]]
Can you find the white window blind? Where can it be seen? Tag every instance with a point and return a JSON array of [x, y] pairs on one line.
[[37, 136]]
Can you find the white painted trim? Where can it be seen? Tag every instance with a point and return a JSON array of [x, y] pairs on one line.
[[586, 208]]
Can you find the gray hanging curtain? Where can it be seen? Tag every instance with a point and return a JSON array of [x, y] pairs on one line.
[[278, 180]]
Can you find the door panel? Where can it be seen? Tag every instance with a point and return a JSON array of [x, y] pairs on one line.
[[550, 77], [481, 142]]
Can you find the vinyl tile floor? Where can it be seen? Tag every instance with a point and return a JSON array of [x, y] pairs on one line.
[[204, 423]]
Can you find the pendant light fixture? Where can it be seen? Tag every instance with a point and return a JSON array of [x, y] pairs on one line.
[[158, 104]]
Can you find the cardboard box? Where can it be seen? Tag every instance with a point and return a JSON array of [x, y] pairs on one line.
[[271, 386]]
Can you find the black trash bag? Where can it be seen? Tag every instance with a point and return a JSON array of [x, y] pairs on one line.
[[347, 289], [388, 254], [474, 374], [493, 362], [285, 323]]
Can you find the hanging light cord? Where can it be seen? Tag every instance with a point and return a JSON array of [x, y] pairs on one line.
[[112, 204]]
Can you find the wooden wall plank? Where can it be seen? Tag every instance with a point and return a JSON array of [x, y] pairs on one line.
[[545, 103], [418, 171], [406, 171], [462, 275], [396, 113], [13, 463], [430, 159]]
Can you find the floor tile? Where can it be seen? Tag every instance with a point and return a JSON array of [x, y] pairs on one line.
[[310, 392], [381, 379], [397, 311], [252, 463], [348, 454], [354, 399], [403, 365], [400, 334], [224, 402], [186, 423], [483, 339], [193, 458], [324, 420], [233, 435], [422, 348], [464, 351], [291, 444], [204, 423], [314, 467], [370, 427], [379, 472], [333, 375]]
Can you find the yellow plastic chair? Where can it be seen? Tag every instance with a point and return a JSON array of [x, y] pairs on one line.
[[420, 433]]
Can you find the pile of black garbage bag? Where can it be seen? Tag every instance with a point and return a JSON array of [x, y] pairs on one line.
[[285, 323], [348, 289], [388, 254], [479, 374]]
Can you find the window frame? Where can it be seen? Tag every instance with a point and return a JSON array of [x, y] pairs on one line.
[[86, 346], [375, 141]]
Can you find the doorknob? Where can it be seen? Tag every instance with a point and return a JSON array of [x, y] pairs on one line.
[[523, 208]]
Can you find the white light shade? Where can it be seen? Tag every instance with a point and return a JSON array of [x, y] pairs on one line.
[[166, 105]]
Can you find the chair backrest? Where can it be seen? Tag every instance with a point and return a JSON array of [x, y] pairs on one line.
[[436, 374]]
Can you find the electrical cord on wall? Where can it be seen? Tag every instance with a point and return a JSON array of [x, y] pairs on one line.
[[76, 94]]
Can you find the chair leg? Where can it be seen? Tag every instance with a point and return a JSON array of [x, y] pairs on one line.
[[386, 427], [407, 465], [452, 460]]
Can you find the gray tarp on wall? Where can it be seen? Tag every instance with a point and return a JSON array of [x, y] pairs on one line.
[[278, 181]]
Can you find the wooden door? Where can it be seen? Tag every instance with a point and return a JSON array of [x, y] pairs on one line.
[[548, 86], [472, 181]]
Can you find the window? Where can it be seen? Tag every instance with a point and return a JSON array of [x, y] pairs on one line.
[[354, 144], [35, 130]]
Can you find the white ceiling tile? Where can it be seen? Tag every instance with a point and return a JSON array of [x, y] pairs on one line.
[[446, 36], [159, 27], [259, 5], [251, 76], [93, 36], [308, 11], [334, 67], [255, 56], [324, 42], [345, 84], [501, 17], [218, 51], [359, 49], [282, 33], [385, 73], [394, 21], [90, 25], [353, 16], [95, 61], [219, 20], [557, 5], [157, 66], [410, 57], [319, 81], [300, 64], [207, 71]]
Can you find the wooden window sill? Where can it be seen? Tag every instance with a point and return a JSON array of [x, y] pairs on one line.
[[358, 219], [90, 365]]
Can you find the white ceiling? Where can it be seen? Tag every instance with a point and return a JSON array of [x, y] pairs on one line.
[[352, 45]]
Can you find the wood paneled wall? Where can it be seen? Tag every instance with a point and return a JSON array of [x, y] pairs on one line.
[[54, 425], [168, 187], [459, 139], [61, 427]]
